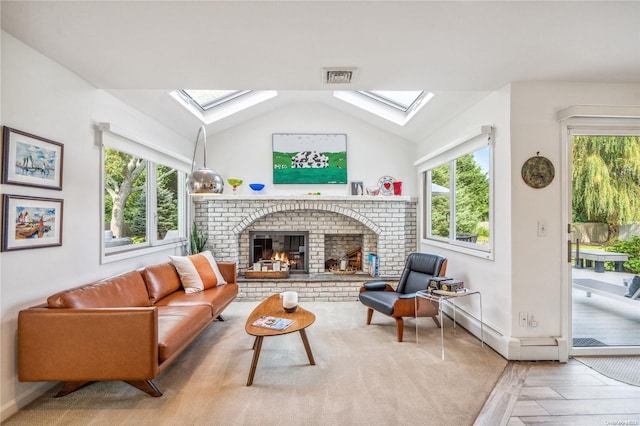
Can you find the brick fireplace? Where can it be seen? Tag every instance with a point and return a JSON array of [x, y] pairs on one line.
[[334, 225]]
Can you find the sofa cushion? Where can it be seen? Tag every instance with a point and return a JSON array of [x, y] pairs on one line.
[[215, 298], [161, 280], [178, 326], [198, 271], [124, 291]]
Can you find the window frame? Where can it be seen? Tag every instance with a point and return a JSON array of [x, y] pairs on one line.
[[124, 143], [448, 155]]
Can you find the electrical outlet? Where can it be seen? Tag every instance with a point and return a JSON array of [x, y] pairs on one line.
[[542, 228], [532, 321], [524, 319]]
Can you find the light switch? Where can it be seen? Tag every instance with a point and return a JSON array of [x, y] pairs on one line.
[[542, 229]]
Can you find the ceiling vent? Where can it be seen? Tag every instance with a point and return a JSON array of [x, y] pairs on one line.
[[343, 75]]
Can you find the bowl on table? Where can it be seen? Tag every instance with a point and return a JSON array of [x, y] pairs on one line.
[[256, 186]]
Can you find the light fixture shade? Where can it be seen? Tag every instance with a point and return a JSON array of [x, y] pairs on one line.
[[205, 181]]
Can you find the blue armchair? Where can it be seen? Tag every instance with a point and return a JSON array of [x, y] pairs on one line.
[[418, 270]]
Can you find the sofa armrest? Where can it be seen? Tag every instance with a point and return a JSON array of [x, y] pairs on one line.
[[87, 344], [228, 271]]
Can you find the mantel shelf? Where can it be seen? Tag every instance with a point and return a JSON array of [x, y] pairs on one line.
[[305, 197]]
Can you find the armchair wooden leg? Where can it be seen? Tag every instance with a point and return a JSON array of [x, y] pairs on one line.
[[437, 321], [400, 327], [369, 315]]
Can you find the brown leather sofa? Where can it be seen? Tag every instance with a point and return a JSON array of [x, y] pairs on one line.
[[130, 328]]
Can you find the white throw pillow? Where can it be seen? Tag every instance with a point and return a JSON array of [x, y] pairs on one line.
[[198, 271]]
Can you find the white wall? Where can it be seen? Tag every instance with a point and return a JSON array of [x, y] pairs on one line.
[[538, 262], [45, 99], [245, 151], [526, 274], [490, 277]]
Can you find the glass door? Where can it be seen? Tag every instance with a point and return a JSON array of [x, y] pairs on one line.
[[605, 241]]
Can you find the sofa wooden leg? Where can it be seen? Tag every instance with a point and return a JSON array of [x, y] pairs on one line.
[[68, 387], [400, 327], [369, 315], [221, 318], [146, 386]]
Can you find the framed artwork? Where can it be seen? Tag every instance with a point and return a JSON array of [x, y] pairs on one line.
[[31, 160], [309, 158], [357, 188], [31, 222]]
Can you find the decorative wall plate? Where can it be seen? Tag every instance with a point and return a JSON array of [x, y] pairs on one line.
[[386, 185], [538, 172]]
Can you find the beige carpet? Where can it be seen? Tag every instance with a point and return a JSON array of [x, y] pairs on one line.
[[363, 376]]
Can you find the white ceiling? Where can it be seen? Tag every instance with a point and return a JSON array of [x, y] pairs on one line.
[[458, 50]]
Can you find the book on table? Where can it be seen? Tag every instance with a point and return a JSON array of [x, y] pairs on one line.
[[274, 323]]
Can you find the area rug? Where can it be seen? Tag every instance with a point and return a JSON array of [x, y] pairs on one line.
[[362, 376], [625, 369]]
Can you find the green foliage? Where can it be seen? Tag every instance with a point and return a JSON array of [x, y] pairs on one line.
[[630, 247], [198, 240], [606, 179], [472, 198]]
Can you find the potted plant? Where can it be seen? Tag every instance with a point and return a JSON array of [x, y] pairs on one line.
[[198, 240]]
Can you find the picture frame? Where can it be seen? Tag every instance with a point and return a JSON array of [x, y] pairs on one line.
[[31, 160], [300, 158], [31, 222], [357, 188]]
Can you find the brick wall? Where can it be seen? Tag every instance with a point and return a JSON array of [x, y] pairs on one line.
[[382, 225]]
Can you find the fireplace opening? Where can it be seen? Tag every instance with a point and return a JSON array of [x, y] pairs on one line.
[[289, 247]]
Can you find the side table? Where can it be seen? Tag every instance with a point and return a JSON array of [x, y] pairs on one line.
[[445, 297]]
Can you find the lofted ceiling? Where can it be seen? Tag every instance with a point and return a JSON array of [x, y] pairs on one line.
[[140, 50]]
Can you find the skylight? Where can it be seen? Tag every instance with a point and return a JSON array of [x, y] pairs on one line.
[[207, 99], [403, 100], [213, 105], [396, 106]]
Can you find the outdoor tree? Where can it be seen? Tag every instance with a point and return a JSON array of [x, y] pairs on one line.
[[606, 180], [123, 177], [472, 197]]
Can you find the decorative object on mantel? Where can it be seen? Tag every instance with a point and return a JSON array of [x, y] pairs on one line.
[[203, 180], [235, 183], [357, 188], [256, 186], [538, 172], [386, 185], [373, 190]]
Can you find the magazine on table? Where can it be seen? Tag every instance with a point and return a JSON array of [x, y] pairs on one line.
[[273, 323]]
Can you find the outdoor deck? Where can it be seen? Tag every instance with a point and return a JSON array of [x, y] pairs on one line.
[[607, 320]]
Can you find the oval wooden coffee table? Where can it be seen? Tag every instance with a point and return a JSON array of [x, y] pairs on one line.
[[273, 307]]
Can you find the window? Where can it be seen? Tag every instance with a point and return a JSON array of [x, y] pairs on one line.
[[402, 100], [210, 106], [457, 196], [144, 204], [207, 99], [398, 107]]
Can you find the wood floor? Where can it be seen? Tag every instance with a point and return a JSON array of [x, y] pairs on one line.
[[552, 393]]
